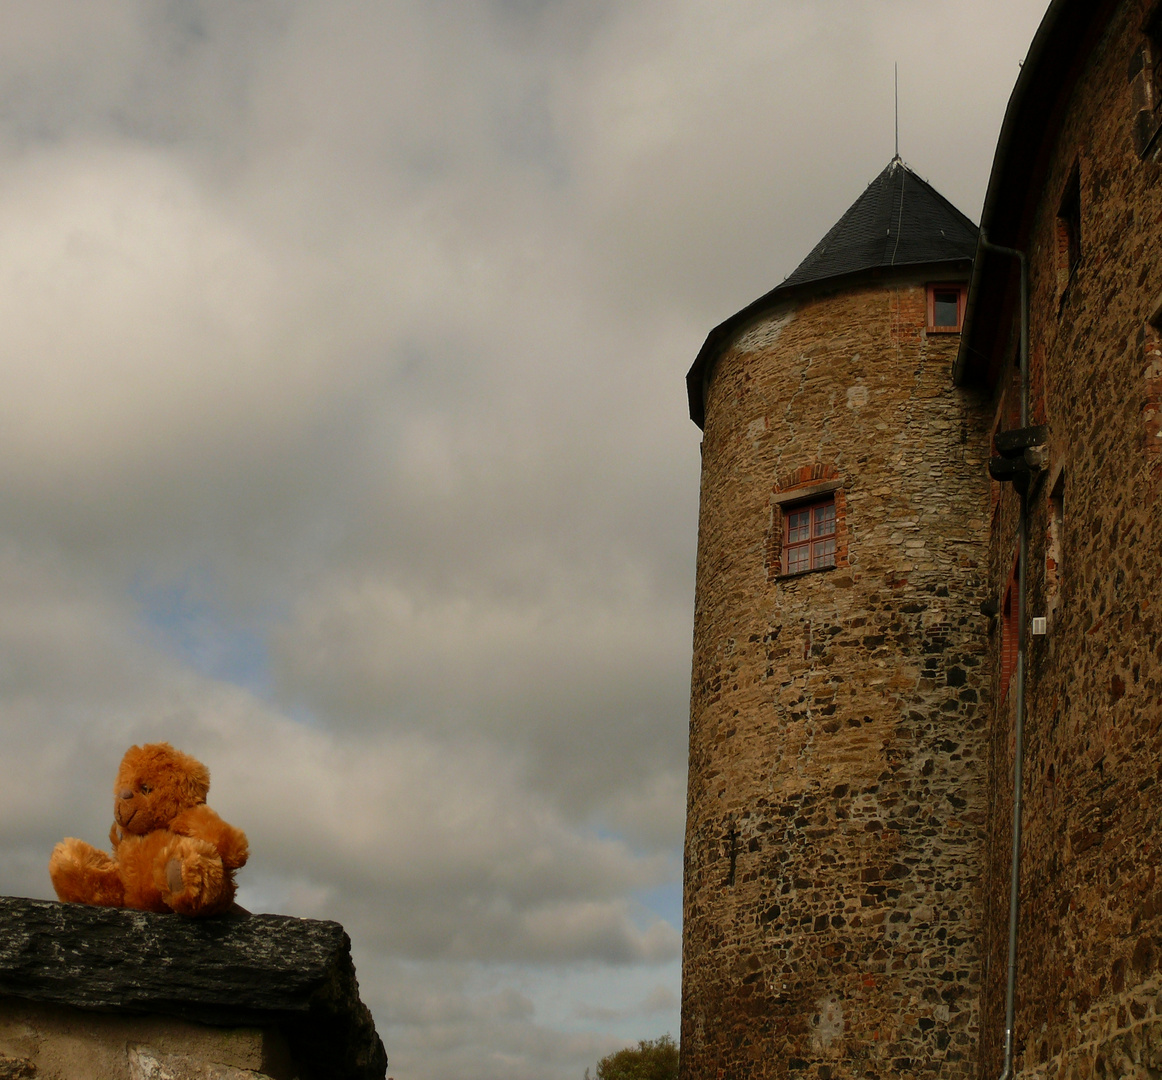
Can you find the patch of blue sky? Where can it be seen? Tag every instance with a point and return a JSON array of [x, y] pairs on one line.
[[663, 901], [186, 620]]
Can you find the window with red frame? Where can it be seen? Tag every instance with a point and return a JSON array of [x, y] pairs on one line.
[[809, 536], [1153, 29], [1009, 634], [946, 308], [1069, 227]]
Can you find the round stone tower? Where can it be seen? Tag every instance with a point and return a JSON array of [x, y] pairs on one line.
[[836, 797]]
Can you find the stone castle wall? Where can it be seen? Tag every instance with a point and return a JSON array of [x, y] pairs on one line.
[[53, 1042], [1091, 923], [1118, 1039], [837, 808]]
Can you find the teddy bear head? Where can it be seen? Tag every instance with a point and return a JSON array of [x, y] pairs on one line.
[[154, 784]]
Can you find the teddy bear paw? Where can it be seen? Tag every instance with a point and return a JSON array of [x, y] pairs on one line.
[[82, 874], [195, 880]]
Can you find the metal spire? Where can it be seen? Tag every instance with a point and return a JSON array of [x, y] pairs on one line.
[[896, 66]]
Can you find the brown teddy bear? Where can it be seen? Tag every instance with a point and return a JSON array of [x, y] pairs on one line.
[[171, 852]]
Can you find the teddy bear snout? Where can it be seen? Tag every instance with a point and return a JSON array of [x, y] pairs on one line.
[[126, 793]]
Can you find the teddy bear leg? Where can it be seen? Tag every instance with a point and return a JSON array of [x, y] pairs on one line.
[[192, 879], [83, 875]]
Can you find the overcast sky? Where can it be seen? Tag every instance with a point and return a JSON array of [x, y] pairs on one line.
[[343, 444]]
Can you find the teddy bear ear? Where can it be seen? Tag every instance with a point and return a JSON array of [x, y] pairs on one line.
[[195, 782], [131, 755]]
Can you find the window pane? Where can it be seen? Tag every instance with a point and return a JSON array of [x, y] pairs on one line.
[[798, 559], [810, 537], [945, 307]]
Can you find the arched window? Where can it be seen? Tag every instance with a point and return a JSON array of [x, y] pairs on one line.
[[808, 522]]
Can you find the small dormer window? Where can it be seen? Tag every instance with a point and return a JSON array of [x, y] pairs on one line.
[[946, 308]]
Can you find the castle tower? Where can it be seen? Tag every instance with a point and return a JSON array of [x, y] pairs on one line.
[[836, 809]]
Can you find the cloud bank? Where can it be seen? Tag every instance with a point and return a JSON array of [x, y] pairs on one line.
[[344, 445]]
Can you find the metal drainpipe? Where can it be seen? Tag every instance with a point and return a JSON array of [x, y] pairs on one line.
[[1019, 733]]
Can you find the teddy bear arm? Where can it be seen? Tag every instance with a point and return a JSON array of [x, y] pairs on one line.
[[201, 823]]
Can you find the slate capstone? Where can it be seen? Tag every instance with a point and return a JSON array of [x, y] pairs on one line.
[[261, 970]]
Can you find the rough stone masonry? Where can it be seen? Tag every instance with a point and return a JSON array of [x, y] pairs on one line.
[[852, 728], [836, 807]]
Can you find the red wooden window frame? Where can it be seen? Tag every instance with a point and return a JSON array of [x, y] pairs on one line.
[[1153, 30], [961, 299], [1009, 633], [809, 535], [1069, 225]]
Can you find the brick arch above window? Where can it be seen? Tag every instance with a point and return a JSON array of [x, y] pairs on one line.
[[805, 476], [808, 529]]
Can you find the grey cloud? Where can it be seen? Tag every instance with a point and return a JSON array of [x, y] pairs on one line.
[[344, 444], [562, 675], [660, 999], [468, 862]]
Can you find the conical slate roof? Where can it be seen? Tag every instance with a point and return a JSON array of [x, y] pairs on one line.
[[900, 220]]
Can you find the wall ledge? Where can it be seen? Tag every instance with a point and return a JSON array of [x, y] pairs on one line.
[[263, 971]]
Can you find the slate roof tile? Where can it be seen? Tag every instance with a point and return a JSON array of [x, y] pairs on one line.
[[899, 220]]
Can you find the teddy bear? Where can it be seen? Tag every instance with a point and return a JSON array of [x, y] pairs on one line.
[[171, 852]]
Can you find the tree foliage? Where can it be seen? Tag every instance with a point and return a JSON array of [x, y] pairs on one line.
[[652, 1059]]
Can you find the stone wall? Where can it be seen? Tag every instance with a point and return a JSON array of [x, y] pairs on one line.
[[838, 725], [1091, 924], [53, 1042], [1118, 1039]]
